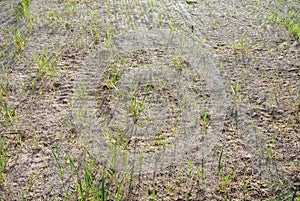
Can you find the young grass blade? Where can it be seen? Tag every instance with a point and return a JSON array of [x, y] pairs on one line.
[[55, 158], [219, 163], [7, 112]]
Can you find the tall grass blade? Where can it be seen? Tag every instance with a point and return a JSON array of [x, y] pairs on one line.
[[102, 190]]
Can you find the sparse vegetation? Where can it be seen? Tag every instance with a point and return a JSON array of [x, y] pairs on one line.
[[128, 100]]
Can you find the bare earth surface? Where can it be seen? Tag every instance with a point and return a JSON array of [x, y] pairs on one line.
[[149, 100]]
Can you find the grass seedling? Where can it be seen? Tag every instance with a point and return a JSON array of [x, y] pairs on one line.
[[22, 9], [108, 7], [246, 185], [59, 166], [241, 47], [171, 25], [136, 107], [290, 22], [112, 77], [185, 102], [179, 63], [190, 167], [46, 65], [112, 160], [141, 158], [30, 21], [9, 114], [95, 35], [70, 8], [79, 183], [86, 188], [19, 40], [235, 47], [205, 121], [118, 138], [3, 88], [295, 194], [154, 193], [271, 154], [36, 140], [3, 159], [152, 5], [226, 181], [244, 46], [108, 38], [161, 140], [32, 86], [235, 91], [90, 187], [148, 89], [119, 188]]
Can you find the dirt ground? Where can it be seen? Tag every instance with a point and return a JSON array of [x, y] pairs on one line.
[[149, 100]]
